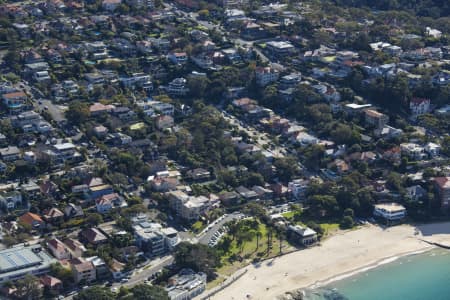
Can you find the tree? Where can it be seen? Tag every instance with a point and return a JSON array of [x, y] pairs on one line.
[[197, 86], [324, 205], [78, 112], [64, 274], [94, 219], [258, 235], [286, 168], [343, 134], [394, 181], [198, 257], [313, 156], [256, 210], [95, 293], [146, 292], [28, 288], [347, 222]]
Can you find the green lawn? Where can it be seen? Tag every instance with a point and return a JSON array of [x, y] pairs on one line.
[[250, 251], [198, 226], [329, 228], [288, 215]]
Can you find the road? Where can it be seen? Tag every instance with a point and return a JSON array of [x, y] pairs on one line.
[[55, 111], [262, 139], [241, 42], [207, 234], [142, 274]]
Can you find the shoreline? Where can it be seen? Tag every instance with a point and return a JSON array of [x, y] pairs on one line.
[[369, 266], [340, 256]]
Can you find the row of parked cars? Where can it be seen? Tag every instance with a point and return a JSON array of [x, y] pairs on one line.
[[217, 236]]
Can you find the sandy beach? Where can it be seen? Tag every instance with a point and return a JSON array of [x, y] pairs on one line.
[[340, 255]]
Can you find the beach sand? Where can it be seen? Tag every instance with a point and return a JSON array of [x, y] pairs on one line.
[[344, 253]]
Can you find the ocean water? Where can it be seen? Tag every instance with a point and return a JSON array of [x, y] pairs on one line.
[[415, 277]]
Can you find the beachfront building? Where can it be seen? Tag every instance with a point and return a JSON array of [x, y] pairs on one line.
[[443, 191], [186, 285], [390, 212], [302, 235]]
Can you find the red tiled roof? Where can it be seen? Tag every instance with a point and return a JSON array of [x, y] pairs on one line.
[[417, 101], [29, 218], [443, 182], [49, 281]]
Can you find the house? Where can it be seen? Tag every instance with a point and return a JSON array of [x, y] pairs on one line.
[[177, 87], [93, 236], [279, 49], [100, 131], [51, 283], [393, 155], [252, 31], [150, 239], [98, 109], [32, 220], [48, 188], [189, 207], [97, 188], [419, 106], [10, 153], [73, 211], [164, 122], [58, 249], [246, 193], [302, 235], [186, 285], [30, 189], [432, 149], [178, 58], [138, 80], [111, 5], [415, 192], [116, 268], [434, 33], [375, 118], [163, 184], [413, 151], [442, 185], [390, 212], [153, 239], [107, 202], [229, 198], [163, 108], [75, 248], [10, 199], [290, 81], [266, 75], [101, 269], [14, 100], [262, 192], [53, 215], [298, 188], [83, 270], [198, 174]]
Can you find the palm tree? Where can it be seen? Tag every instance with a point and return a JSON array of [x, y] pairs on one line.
[[233, 229], [280, 235], [258, 236], [269, 239]]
